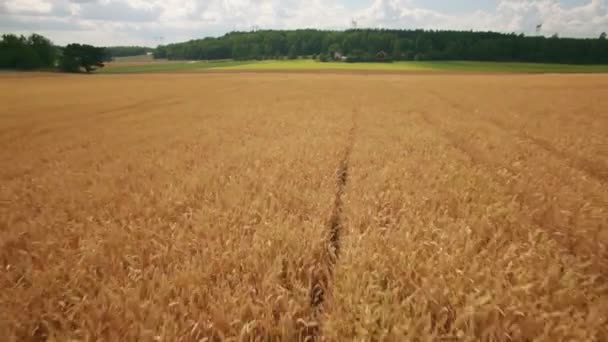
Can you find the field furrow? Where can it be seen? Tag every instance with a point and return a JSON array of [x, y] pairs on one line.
[[423, 226], [558, 195]]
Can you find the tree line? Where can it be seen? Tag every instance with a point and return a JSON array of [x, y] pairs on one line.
[[127, 51], [386, 45], [37, 52], [27, 53]]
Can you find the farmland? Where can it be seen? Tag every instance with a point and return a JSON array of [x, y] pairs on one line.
[[144, 64], [284, 206]]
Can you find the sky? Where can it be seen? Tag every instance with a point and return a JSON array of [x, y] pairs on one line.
[[153, 22]]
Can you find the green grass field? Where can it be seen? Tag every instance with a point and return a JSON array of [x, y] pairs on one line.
[[167, 66], [305, 64], [514, 67], [492, 67]]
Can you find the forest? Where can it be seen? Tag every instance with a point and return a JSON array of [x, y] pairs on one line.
[[365, 45], [387, 45], [27, 53], [127, 51], [36, 52]]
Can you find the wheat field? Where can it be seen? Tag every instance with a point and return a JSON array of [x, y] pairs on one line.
[[319, 207]]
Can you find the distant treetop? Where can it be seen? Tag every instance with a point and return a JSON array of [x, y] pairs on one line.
[[127, 51], [77, 57], [27, 53], [365, 44]]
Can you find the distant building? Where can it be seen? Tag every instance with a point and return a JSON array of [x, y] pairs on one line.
[[381, 55]]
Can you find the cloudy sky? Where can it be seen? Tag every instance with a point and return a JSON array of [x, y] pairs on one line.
[[150, 22]]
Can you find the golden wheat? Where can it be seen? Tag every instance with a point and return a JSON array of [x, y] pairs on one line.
[[302, 206]]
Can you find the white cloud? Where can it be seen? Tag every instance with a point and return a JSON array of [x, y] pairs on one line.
[[28, 6], [143, 21], [522, 16], [589, 19], [399, 13], [118, 11]]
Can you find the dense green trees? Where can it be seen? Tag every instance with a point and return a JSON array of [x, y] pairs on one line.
[[37, 52], [396, 44], [126, 51], [77, 57], [26, 53]]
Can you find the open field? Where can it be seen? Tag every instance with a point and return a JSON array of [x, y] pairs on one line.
[[135, 59], [292, 206], [164, 66], [310, 65]]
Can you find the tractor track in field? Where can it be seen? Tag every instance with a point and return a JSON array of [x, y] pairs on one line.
[[596, 257], [321, 278], [590, 168]]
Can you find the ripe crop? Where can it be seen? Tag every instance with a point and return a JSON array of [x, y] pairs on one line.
[[303, 206]]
